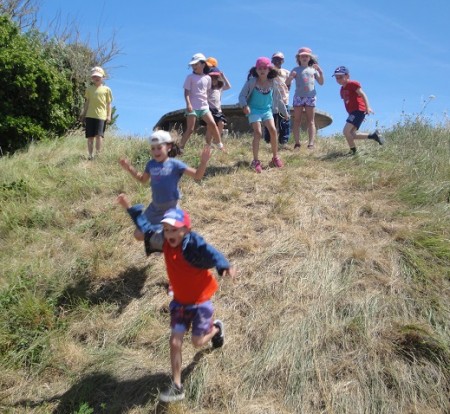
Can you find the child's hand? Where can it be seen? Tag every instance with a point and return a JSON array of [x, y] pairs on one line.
[[246, 110], [205, 155], [125, 164], [231, 272], [369, 111], [189, 108]]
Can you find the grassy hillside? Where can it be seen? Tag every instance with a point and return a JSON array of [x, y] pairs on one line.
[[341, 304]]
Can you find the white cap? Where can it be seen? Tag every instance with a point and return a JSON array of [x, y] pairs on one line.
[[197, 58], [160, 137]]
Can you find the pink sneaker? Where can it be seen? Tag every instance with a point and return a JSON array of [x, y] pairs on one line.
[[276, 162], [256, 164]]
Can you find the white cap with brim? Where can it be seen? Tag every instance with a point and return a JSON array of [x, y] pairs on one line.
[[160, 137], [197, 58]]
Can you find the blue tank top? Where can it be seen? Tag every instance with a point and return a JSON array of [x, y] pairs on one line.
[[260, 102]]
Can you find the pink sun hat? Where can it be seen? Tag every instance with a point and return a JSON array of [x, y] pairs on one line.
[[263, 62], [304, 51]]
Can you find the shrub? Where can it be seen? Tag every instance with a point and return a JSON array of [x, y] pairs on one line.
[[36, 98]]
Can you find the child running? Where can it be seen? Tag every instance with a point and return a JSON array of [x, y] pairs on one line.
[[196, 87], [260, 97], [305, 75], [357, 105], [96, 111], [219, 83], [164, 174], [188, 259]]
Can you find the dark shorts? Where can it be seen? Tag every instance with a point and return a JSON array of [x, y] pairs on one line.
[[200, 316], [218, 116], [95, 127], [356, 118]]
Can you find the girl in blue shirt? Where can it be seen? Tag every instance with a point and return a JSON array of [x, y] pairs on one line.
[[164, 173], [259, 98]]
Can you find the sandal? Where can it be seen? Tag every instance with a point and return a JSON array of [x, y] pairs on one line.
[[297, 146], [310, 146]]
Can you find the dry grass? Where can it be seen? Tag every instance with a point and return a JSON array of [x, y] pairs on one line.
[[323, 318]]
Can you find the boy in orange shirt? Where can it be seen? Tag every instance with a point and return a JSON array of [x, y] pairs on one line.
[[188, 260]]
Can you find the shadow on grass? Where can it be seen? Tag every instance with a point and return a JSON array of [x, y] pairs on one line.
[[120, 290], [214, 170], [103, 393], [336, 155]]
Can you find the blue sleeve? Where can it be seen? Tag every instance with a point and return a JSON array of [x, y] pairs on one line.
[[201, 254], [153, 235]]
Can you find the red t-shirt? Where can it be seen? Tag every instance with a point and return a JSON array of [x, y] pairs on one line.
[[352, 101], [191, 285]]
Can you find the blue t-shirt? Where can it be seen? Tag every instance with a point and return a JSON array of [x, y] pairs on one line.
[[164, 177]]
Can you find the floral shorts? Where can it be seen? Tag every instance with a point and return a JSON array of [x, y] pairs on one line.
[[199, 315], [305, 101]]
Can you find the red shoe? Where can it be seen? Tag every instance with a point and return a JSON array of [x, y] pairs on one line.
[[276, 162], [256, 164]]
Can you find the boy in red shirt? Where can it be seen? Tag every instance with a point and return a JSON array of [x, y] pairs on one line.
[[357, 106], [188, 260]]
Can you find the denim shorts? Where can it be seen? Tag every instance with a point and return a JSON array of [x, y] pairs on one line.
[[260, 117], [305, 101], [199, 113], [199, 316], [356, 118]]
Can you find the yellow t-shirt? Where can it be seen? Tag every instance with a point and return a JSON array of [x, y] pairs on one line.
[[98, 101]]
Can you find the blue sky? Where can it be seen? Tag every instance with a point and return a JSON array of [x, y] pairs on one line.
[[398, 51]]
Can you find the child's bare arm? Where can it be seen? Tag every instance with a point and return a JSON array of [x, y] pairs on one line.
[[361, 93], [142, 177], [188, 101], [319, 77]]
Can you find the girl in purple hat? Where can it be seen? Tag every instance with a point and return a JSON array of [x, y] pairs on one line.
[[260, 97]]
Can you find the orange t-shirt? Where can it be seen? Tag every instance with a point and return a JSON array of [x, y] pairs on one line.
[[191, 285]]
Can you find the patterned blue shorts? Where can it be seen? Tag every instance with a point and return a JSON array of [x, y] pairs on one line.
[[200, 316]]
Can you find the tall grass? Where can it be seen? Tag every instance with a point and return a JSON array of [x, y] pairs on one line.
[[341, 304]]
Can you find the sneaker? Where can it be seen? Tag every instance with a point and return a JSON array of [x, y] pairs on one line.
[[172, 393], [90, 157], [297, 146], [376, 136], [276, 162], [218, 339], [256, 165], [220, 146]]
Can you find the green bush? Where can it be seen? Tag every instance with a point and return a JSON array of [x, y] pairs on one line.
[[36, 97]]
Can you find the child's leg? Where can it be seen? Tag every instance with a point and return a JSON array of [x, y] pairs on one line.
[[98, 143], [176, 356], [256, 138], [190, 125], [203, 329], [143, 226], [211, 128], [90, 145], [310, 114], [270, 125], [298, 113], [351, 133]]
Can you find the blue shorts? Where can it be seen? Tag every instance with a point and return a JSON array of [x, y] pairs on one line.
[[199, 113], [356, 118], [260, 117], [200, 316]]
